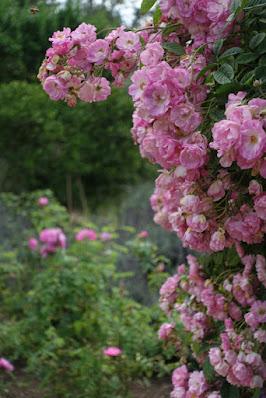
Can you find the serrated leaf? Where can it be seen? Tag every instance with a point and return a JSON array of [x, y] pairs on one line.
[[256, 40], [246, 58], [174, 48], [231, 51], [218, 46], [229, 391], [208, 371], [157, 16], [260, 73], [224, 74], [146, 5]]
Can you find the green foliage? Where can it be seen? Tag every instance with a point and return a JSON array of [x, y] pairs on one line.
[[174, 48], [146, 5], [43, 143], [59, 313]]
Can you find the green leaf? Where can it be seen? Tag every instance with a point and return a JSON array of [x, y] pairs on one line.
[[228, 88], [255, 3], [174, 48], [260, 73], [218, 46], [157, 16], [246, 58], [262, 60], [229, 391], [224, 74], [208, 371], [204, 70], [248, 77], [231, 51], [146, 5], [256, 393], [256, 40], [261, 49]]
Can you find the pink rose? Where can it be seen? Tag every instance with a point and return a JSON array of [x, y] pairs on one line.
[[143, 234], [128, 41], [55, 88], [32, 244], [260, 206], [252, 140], [98, 51], [86, 233], [112, 351], [152, 54], [6, 365], [43, 201]]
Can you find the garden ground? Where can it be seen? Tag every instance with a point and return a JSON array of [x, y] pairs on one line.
[[21, 385]]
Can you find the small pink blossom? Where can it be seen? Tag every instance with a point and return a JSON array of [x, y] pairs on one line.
[[112, 351], [143, 234], [152, 54], [252, 140], [43, 201], [86, 234], [6, 365], [260, 206], [98, 51], [165, 331], [55, 88], [128, 41], [32, 244]]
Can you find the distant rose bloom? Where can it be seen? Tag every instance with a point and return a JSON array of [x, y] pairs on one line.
[[6, 365], [143, 234], [112, 351], [105, 236], [32, 244], [43, 201], [86, 233], [52, 239]]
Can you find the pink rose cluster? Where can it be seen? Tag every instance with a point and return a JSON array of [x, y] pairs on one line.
[[191, 385], [208, 214], [202, 305], [241, 136], [74, 64], [167, 111], [50, 240], [205, 20]]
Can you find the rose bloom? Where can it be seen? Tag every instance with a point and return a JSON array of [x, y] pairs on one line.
[[143, 234], [6, 365], [86, 233], [112, 351], [128, 41], [55, 88], [32, 244], [43, 201], [152, 54], [98, 51]]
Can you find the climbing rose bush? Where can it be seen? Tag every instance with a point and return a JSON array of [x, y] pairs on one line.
[[198, 87]]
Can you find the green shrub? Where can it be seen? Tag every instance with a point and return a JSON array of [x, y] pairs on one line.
[[59, 313]]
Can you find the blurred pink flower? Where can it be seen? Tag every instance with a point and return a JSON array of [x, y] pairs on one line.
[[43, 201], [143, 234], [112, 351], [32, 244], [86, 233], [6, 365], [105, 236]]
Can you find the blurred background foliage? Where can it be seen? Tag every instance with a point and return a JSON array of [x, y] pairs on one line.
[[85, 155]]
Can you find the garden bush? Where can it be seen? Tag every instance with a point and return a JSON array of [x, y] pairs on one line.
[[60, 309]]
